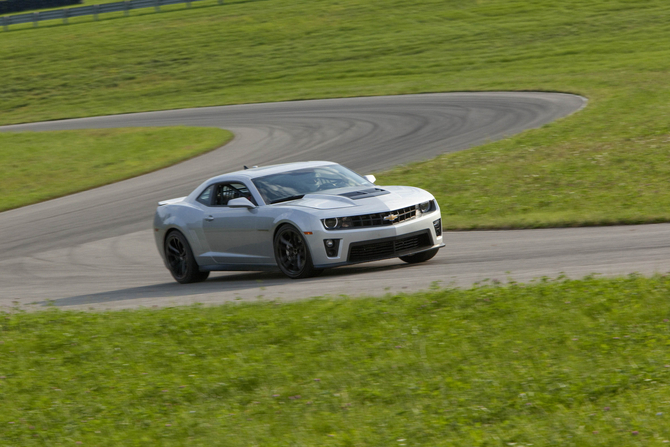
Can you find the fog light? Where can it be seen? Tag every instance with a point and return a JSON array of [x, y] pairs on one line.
[[332, 247], [437, 224]]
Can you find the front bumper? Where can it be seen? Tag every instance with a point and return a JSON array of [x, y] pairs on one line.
[[376, 243]]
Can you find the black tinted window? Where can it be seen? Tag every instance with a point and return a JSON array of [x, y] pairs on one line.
[[227, 191]]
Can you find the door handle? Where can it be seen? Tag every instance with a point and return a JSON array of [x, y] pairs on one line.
[[209, 218]]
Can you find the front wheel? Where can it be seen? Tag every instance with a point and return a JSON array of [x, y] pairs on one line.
[[292, 253], [420, 257], [181, 261]]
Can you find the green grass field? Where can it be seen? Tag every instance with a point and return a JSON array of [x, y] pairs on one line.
[[40, 166], [607, 164], [563, 363]]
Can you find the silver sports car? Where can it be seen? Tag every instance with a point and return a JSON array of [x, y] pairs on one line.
[[299, 218]]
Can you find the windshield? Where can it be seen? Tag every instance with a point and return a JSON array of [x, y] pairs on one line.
[[295, 184]]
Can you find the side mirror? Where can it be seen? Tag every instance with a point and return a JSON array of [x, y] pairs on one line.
[[241, 202], [370, 178]]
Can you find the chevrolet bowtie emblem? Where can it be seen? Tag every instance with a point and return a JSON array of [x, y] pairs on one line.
[[391, 217]]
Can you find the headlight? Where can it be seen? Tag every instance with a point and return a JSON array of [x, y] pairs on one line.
[[425, 206], [331, 224], [336, 223]]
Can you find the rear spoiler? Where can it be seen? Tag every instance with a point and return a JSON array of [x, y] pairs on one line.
[[171, 201]]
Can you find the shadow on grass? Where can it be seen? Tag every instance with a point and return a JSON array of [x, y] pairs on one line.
[[226, 285]]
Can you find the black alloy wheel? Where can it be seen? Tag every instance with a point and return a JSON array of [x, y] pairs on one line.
[[292, 253], [181, 261], [420, 257]]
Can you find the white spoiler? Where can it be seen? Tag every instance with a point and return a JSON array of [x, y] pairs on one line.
[[171, 201]]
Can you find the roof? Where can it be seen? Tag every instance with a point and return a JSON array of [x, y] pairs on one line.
[[252, 173]]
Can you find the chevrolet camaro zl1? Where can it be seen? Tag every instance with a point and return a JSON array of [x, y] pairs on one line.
[[299, 218]]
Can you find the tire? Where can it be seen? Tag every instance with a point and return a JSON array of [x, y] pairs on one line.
[[181, 261], [292, 253], [420, 257]]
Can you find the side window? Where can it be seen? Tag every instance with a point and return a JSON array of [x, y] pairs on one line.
[[227, 191], [206, 196]]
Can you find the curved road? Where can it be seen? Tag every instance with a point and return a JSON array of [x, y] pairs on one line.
[[95, 249]]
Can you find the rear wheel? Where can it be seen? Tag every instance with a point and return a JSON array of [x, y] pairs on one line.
[[292, 253], [420, 257], [181, 261]]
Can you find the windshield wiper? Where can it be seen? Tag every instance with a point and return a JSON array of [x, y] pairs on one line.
[[286, 199]]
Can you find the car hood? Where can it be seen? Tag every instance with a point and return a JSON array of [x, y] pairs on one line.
[[397, 197]]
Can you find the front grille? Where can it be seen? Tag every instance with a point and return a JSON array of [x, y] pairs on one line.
[[388, 247], [377, 219]]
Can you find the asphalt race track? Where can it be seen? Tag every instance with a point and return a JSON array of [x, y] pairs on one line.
[[95, 249]]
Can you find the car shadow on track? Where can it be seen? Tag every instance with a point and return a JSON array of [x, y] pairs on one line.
[[226, 284]]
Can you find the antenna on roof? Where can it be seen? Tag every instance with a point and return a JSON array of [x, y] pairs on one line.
[[245, 167]]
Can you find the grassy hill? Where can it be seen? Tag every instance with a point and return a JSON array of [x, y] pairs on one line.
[[270, 50]]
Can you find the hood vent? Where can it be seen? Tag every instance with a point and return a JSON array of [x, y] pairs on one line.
[[365, 193]]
